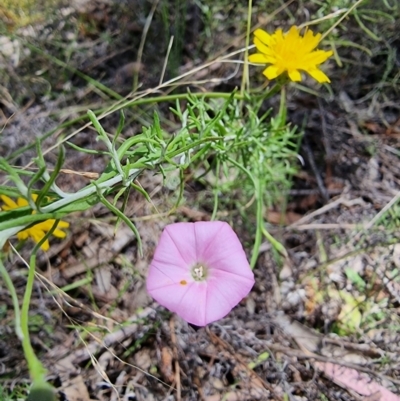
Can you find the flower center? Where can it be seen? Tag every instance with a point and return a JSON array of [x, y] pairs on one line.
[[199, 272]]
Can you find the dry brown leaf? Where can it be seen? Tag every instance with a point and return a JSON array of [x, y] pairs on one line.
[[374, 127], [85, 174], [98, 255], [343, 376], [315, 343], [239, 395], [193, 214], [286, 218], [103, 279], [166, 361], [75, 389], [353, 380]]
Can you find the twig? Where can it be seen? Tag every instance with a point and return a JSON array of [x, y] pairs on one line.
[[142, 43], [171, 41], [326, 208], [328, 226], [81, 355], [320, 183], [234, 355], [176, 363], [393, 201]]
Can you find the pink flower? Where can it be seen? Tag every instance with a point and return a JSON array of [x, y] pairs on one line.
[[199, 271]]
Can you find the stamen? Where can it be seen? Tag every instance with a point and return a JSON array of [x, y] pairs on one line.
[[199, 272]]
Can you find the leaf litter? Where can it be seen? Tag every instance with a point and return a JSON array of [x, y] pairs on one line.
[[109, 342]]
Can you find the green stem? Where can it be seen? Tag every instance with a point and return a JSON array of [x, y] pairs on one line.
[[124, 218], [276, 244], [14, 297], [245, 76], [181, 188], [216, 190], [258, 188], [36, 369], [110, 145], [259, 223], [282, 109], [177, 96], [261, 230]]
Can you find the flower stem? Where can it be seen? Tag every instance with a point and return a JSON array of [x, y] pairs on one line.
[[216, 190], [245, 76], [281, 119], [14, 297], [36, 369], [259, 222]]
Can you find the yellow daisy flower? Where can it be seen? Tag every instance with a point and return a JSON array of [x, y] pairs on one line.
[[290, 52], [38, 231]]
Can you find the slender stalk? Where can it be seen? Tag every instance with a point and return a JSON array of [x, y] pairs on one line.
[[36, 369], [142, 43], [216, 190], [276, 244], [14, 297], [245, 76], [259, 222]]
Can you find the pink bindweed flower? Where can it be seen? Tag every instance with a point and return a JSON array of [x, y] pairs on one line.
[[199, 271]]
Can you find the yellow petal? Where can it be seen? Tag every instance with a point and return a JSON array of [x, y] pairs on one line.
[[45, 246], [48, 224], [278, 36], [9, 203], [272, 72], [22, 202], [258, 58], [37, 235], [22, 235], [318, 57], [262, 36], [59, 234], [290, 51], [310, 41], [294, 75], [45, 225], [270, 59], [293, 33], [261, 47], [63, 224], [319, 76]]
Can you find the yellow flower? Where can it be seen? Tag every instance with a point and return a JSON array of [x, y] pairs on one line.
[[290, 52], [38, 231]]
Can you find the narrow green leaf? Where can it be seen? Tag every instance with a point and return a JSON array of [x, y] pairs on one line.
[[48, 184], [119, 214], [120, 127]]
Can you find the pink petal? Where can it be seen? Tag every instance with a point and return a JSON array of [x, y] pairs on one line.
[[220, 248], [194, 304], [162, 274], [214, 245], [177, 246], [231, 287], [188, 301]]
